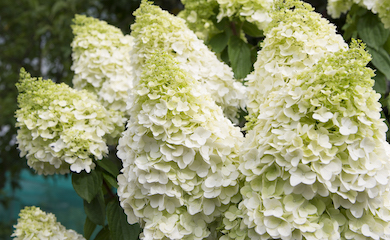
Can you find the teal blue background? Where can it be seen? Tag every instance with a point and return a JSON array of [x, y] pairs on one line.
[[53, 194]]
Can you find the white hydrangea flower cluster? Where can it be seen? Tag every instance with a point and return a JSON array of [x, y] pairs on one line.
[[35, 224], [381, 7], [316, 163], [199, 13], [157, 29], [198, 16], [295, 41], [62, 128], [179, 154], [101, 61], [253, 11]]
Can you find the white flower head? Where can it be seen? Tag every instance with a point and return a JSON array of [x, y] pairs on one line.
[[181, 167], [101, 61], [155, 29], [62, 129], [33, 223], [314, 149], [295, 41]]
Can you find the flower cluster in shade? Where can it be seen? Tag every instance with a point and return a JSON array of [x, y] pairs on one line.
[[61, 129], [179, 154], [155, 29], [198, 17], [101, 61], [381, 7], [199, 14], [35, 224], [316, 163], [295, 41]]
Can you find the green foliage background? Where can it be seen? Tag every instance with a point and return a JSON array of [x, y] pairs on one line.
[[36, 35]]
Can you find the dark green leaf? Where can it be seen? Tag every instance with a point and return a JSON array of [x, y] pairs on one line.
[[381, 60], [240, 57], [86, 184], [254, 52], [251, 29], [111, 180], [219, 42], [225, 56], [371, 30], [109, 166], [103, 234], [117, 221], [96, 209], [380, 82], [386, 46], [89, 227], [223, 25]]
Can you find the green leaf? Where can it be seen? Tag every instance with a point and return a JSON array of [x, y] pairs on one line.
[[86, 184], [111, 180], [386, 46], [372, 31], [96, 209], [252, 30], [103, 234], [58, 6], [120, 229], [349, 27], [380, 82], [240, 57], [89, 227], [222, 25], [219, 42], [225, 56], [381, 60], [109, 166]]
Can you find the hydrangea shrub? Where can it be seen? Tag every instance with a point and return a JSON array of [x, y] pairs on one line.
[[314, 163], [179, 153], [35, 224], [61, 129]]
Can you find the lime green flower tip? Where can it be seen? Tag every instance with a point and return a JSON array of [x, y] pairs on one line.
[[35, 224], [62, 128], [156, 29]]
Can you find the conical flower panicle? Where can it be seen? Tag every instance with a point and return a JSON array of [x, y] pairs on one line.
[[318, 156], [296, 39], [155, 29], [34, 224], [179, 153], [62, 128], [101, 61]]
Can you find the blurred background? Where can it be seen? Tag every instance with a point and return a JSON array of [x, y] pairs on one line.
[[36, 35]]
